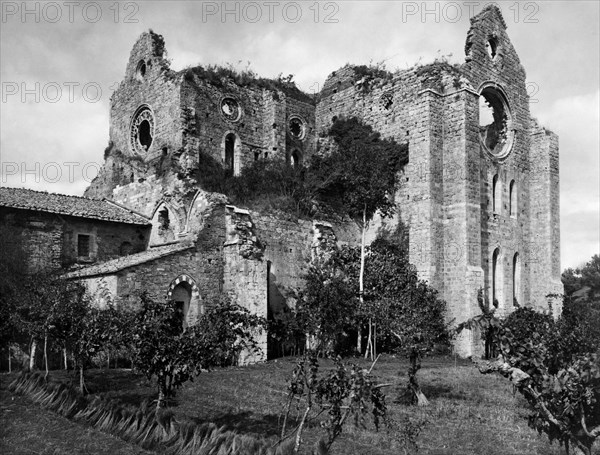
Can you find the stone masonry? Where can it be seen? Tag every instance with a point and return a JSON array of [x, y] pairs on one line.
[[480, 194]]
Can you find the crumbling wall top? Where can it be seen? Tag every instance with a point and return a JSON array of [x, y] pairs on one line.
[[148, 53]]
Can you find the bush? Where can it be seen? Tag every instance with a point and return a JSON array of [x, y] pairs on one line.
[[555, 373]]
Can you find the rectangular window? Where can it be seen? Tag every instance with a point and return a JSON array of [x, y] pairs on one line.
[[83, 245]]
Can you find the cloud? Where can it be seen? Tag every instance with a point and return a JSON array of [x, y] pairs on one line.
[[576, 120]]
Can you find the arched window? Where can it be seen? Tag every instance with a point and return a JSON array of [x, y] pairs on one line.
[[496, 278], [496, 194], [230, 152], [296, 158], [516, 280], [512, 191], [163, 219], [165, 224]]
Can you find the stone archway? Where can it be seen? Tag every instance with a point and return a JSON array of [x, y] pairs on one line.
[[186, 295]]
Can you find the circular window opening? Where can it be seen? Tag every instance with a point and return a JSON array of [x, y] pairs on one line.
[[230, 109], [142, 131], [495, 132], [140, 71], [297, 129]]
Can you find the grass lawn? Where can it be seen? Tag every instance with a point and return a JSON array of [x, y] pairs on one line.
[[469, 413], [27, 429]]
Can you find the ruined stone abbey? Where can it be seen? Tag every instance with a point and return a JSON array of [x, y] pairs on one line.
[[480, 195]]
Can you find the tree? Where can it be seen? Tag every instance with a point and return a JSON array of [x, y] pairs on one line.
[[571, 281], [83, 329], [407, 311], [590, 275], [359, 175], [344, 391], [557, 377], [410, 314], [587, 276], [487, 323], [327, 305], [162, 348]]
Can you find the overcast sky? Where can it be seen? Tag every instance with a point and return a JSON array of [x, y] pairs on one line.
[[77, 51]]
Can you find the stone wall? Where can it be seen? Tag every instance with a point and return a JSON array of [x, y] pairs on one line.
[[446, 192], [49, 241], [108, 240], [38, 238], [480, 199], [261, 128]]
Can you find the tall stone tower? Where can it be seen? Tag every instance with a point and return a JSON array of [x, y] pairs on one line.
[[481, 192]]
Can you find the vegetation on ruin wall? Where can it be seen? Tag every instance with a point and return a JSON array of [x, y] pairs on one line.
[[219, 76], [366, 77], [327, 186], [432, 74]]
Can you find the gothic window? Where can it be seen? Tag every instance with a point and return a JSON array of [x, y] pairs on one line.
[[163, 220], [492, 46], [296, 158], [512, 199], [142, 130], [496, 278], [230, 153], [496, 194], [83, 245], [516, 279], [140, 71]]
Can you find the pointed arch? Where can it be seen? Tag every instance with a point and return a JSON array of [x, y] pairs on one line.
[[512, 199], [497, 279], [231, 152], [166, 224], [516, 280], [496, 194], [295, 158], [199, 204]]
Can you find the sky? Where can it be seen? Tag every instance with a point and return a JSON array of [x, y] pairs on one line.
[[60, 61]]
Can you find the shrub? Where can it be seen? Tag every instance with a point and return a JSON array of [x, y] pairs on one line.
[[557, 377]]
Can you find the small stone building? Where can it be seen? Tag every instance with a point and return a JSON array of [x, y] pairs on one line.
[[480, 194]]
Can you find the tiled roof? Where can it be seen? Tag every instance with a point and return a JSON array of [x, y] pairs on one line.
[[125, 262], [62, 204]]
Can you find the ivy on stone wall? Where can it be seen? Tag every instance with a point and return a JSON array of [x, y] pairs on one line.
[[219, 76]]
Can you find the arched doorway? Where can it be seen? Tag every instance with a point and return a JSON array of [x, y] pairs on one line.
[[181, 296], [185, 294]]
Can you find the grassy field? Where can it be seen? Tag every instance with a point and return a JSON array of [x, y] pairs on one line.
[[469, 413], [26, 429]]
